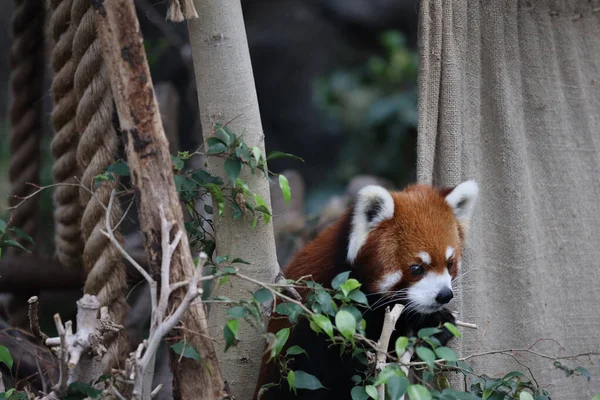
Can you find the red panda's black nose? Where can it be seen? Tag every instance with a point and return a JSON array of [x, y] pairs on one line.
[[444, 296]]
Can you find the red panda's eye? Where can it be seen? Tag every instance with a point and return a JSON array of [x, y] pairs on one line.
[[416, 270], [450, 264]]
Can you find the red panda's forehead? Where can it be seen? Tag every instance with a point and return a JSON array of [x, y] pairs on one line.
[[422, 223]]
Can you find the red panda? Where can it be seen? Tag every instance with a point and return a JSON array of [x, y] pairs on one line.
[[403, 247]]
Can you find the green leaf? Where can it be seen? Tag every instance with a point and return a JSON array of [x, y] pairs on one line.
[[324, 323], [359, 393], [216, 148], [418, 392], [12, 243], [223, 133], [230, 332], [183, 183], [525, 396], [224, 280], [584, 372], [446, 353], [281, 338], [291, 378], [396, 387], [372, 392], [596, 397], [263, 295], [236, 211], [5, 357], [2, 226], [221, 259], [119, 168], [453, 329], [284, 184], [256, 153], [339, 279], [261, 202], [302, 380], [465, 366], [359, 297], [279, 154], [426, 355], [21, 234], [295, 350], [177, 163], [233, 166], [84, 390], [386, 374], [426, 332], [349, 286], [512, 375], [325, 301], [346, 324], [243, 154], [184, 155], [204, 178], [401, 345], [293, 311], [240, 261], [186, 350], [237, 311], [217, 194]]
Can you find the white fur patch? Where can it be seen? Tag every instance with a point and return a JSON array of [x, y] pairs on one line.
[[449, 252], [425, 257], [462, 199], [390, 280], [423, 293], [361, 226]]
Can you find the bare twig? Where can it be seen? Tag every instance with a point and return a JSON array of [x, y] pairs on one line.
[[63, 356], [389, 324], [34, 322], [465, 324], [287, 288], [110, 234]]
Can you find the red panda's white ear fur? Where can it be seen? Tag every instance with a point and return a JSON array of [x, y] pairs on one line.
[[373, 204], [462, 199]]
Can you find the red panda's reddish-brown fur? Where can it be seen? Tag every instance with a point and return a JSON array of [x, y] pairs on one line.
[[422, 221]]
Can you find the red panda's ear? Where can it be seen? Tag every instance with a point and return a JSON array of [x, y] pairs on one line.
[[373, 204], [462, 199]]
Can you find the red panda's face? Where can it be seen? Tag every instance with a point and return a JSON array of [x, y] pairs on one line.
[[409, 243]]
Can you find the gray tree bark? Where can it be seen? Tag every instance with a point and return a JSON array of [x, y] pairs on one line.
[[226, 92]]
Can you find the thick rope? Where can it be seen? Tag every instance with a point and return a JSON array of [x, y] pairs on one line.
[[25, 129], [98, 146], [67, 213], [25, 112]]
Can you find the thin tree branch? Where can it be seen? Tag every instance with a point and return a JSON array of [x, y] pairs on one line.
[[389, 324]]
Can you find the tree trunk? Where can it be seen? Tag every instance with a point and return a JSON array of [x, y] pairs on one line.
[[226, 94], [149, 160]]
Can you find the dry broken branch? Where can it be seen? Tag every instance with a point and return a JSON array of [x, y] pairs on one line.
[[142, 365], [78, 353], [389, 324], [149, 160]]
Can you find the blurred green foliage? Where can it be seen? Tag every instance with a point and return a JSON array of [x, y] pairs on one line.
[[374, 105]]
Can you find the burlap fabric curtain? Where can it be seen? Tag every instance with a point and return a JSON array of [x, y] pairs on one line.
[[510, 96]]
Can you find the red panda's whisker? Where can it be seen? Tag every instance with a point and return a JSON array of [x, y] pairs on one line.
[[395, 295], [464, 273]]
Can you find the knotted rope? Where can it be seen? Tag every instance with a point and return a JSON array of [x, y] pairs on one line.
[[67, 214], [98, 146], [25, 112]]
